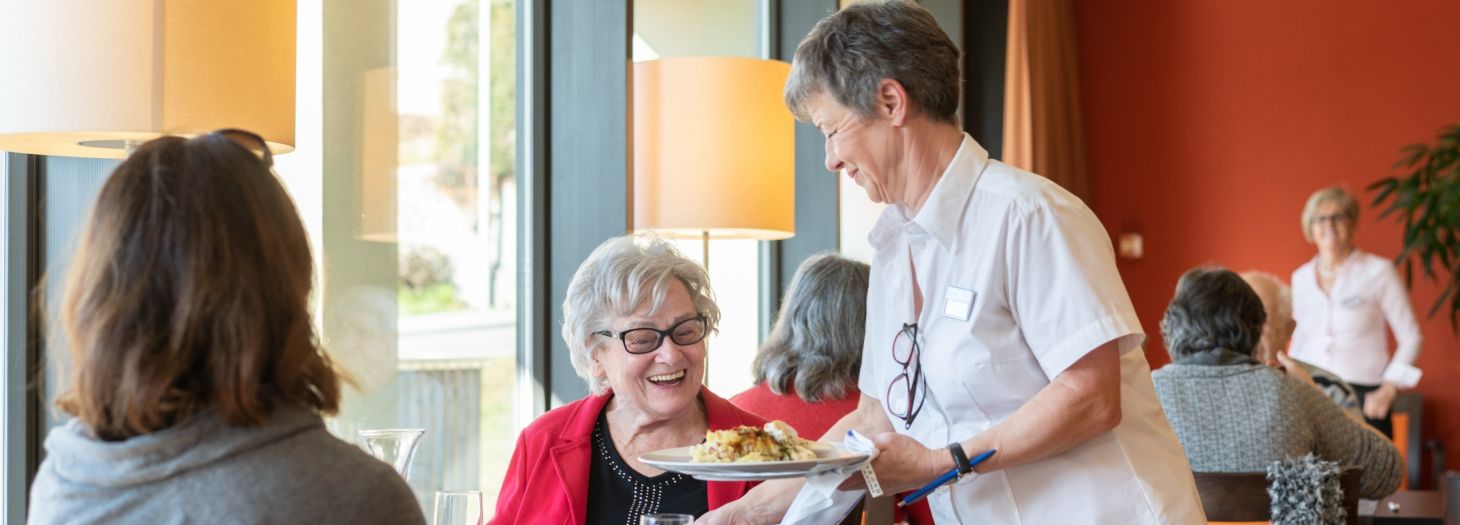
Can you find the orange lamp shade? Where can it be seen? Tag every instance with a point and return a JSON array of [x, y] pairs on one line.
[[714, 148], [99, 73]]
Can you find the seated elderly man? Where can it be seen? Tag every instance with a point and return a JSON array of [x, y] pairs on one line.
[[1234, 414], [1272, 350]]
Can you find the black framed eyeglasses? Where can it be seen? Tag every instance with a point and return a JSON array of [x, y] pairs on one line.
[[907, 392], [250, 141], [645, 340]]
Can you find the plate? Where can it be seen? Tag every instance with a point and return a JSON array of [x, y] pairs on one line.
[[678, 460]]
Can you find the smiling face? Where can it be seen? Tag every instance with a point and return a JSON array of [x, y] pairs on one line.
[[1331, 229], [664, 383], [859, 146]]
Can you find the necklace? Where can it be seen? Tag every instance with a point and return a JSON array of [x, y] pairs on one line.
[[1327, 273]]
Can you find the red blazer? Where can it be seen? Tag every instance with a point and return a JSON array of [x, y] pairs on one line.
[[547, 481]]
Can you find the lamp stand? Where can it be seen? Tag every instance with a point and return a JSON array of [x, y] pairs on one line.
[[705, 256]]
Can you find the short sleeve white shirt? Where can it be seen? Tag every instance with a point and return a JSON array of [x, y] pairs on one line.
[[1019, 282], [1343, 330]]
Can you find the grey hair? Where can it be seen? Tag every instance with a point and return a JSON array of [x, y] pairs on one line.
[[1329, 194], [816, 345], [850, 52], [1284, 306], [1213, 308], [618, 278]]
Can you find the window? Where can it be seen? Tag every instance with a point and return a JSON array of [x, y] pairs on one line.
[[405, 173]]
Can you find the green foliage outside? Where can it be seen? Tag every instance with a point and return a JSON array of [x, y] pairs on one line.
[[427, 284], [432, 299], [456, 136]]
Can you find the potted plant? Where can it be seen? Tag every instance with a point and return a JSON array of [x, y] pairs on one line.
[[1425, 196]]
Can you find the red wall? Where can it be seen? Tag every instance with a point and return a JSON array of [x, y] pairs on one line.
[[1209, 122]]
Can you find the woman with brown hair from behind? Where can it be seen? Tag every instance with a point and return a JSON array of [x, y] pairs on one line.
[[197, 383]]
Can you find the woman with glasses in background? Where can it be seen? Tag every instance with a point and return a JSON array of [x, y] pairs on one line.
[[635, 320], [996, 318], [197, 382], [1342, 300]]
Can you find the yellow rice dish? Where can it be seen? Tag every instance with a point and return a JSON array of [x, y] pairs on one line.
[[776, 442]]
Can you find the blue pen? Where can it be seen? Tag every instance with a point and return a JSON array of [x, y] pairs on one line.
[[950, 476]]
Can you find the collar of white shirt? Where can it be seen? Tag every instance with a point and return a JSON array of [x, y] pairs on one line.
[[939, 215]]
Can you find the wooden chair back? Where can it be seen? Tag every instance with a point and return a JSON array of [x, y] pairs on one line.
[[1450, 488], [1242, 496], [1407, 418]]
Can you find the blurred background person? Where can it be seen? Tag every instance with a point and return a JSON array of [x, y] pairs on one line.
[[806, 372], [197, 381], [635, 319], [1342, 300], [1272, 349], [1234, 414]]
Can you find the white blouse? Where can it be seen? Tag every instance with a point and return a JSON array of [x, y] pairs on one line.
[[1343, 331], [1019, 282]]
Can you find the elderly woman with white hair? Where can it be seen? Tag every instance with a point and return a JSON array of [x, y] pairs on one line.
[[1272, 349], [1342, 300], [635, 319]]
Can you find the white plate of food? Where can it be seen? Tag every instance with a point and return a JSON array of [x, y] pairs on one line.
[[748, 453]]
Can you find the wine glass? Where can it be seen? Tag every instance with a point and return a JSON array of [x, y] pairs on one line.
[[458, 507], [395, 446], [666, 519]]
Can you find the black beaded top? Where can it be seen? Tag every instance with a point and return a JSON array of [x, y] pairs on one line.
[[618, 495]]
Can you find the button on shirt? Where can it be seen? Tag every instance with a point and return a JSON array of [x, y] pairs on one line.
[[1343, 330], [1019, 282]]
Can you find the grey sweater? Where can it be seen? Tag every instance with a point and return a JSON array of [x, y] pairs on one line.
[[1241, 418], [289, 470]]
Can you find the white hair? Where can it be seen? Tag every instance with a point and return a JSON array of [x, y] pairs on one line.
[[619, 277], [1283, 310]]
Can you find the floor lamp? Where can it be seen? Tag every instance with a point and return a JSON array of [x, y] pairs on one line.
[[93, 79], [714, 150]]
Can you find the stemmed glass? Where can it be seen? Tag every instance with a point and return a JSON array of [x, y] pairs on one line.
[[395, 446], [458, 507]]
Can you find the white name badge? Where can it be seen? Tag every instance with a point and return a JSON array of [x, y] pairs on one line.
[[958, 303]]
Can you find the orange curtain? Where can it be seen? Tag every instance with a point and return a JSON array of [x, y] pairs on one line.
[[1042, 125]]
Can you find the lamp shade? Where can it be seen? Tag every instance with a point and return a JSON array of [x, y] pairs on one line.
[[714, 148], [87, 72]]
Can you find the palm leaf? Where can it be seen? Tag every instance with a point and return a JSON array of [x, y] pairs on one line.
[[1425, 200]]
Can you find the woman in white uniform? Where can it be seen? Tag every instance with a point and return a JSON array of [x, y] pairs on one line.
[[996, 318]]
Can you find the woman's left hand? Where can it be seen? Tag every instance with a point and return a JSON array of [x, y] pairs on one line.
[[902, 464], [1378, 402]]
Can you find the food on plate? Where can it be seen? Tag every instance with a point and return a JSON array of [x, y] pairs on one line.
[[777, 441]]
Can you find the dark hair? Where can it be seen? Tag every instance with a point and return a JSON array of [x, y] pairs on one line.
[[850, 52], [816, 345], [1213, 308], [190, 291]]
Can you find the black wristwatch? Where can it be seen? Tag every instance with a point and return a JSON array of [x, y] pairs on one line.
[[960, 460]]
